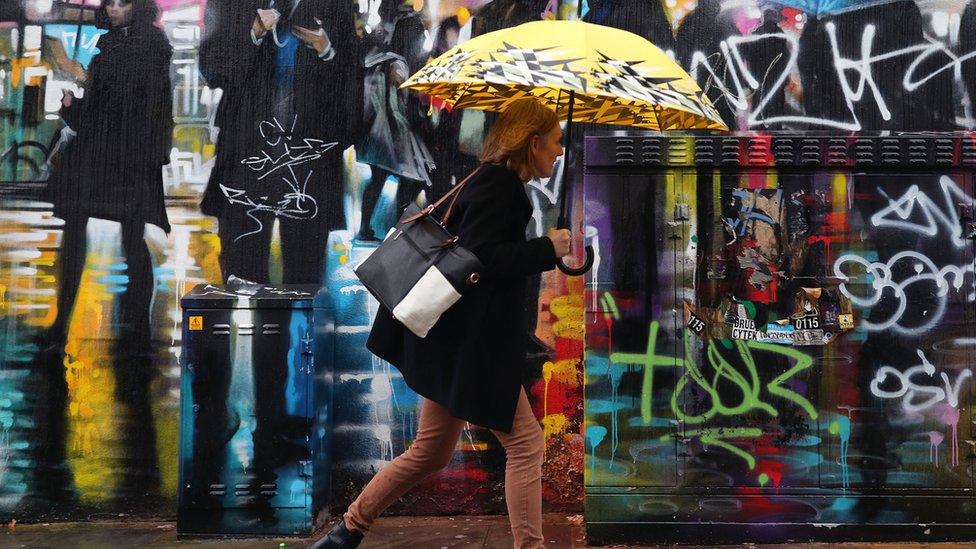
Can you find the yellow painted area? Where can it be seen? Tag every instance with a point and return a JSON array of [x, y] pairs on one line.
[[564, 371], [275, 261], [472, 446], [92, 410], [554, 424], [166, 417], [838, 189], [344, 250], [92, 307], [568, 310], [670, 198]]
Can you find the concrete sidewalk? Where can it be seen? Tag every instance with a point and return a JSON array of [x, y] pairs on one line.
[[393, 532]]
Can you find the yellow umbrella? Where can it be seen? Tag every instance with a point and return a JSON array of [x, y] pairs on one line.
[[613, 76], [584, 72]]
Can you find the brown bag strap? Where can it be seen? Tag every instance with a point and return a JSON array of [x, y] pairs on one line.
[[451, 194]]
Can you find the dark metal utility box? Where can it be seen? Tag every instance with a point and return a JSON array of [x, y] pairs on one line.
[[780, 338], [254, 414]]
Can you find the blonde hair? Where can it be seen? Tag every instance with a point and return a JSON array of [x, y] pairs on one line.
[[509, 138]]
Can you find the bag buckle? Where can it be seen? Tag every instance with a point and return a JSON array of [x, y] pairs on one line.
[[448, 243]]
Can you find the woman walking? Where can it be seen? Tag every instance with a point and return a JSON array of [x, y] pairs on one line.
[[468, 368]]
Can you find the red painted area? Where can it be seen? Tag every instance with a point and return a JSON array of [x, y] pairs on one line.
[[759, 505], [452, 475], [764, 446], [770, 291], [758, 152], [838, 223], [846, 382], [568, 348], [773, 469]]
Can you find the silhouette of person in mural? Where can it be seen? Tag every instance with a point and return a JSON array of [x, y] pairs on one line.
[[395, 122], [645, 18], [502, 14], [289, 75], [451, 163], [822, 96], [112, 170], [967, 45], [890, 105], [290, 72], [11, 11], [767, 59], [702, 31]]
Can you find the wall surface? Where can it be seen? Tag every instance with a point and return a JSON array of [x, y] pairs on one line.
[[91, 426]]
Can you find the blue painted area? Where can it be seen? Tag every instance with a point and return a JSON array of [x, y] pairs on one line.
[[615, 372], [296, 386], [375, 413], [827, 7], [382, 218], [82, 51], [597, 406], [246, 419], [119, 279], [594, 436], [806, 440], [801, 459], [843, 504], [20, 388]]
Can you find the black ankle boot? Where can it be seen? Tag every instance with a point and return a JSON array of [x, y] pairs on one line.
[[339, 537]]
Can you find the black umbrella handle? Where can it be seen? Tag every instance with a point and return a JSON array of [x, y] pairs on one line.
[[582, 269], [563, 221]]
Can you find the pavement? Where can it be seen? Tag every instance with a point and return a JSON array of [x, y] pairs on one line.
[[389, 532]]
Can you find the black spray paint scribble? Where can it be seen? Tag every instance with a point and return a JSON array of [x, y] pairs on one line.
[[285, 155]]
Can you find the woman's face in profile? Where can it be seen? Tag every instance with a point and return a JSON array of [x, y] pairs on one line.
[[119, 12], [545, 150]]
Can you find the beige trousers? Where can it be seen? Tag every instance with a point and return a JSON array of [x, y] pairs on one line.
[[433, 449]]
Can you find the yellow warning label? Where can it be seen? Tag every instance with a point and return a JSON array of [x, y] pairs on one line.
[[196, 323]]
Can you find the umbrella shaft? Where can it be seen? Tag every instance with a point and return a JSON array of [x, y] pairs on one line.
[[568, 162]]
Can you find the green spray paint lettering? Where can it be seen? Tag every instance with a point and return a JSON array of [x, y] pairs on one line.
[[746, 383]]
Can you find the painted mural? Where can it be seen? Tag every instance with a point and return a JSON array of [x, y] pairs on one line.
[[251, 163], [264, 138]]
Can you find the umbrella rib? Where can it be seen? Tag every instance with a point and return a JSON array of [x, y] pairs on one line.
[[464, 91]]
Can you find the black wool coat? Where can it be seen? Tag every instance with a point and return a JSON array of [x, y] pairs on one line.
[[471, 361], [326, 96], [113, 168]]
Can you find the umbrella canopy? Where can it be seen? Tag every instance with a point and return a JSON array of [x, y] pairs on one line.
[[599, 74], [821, 8]]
